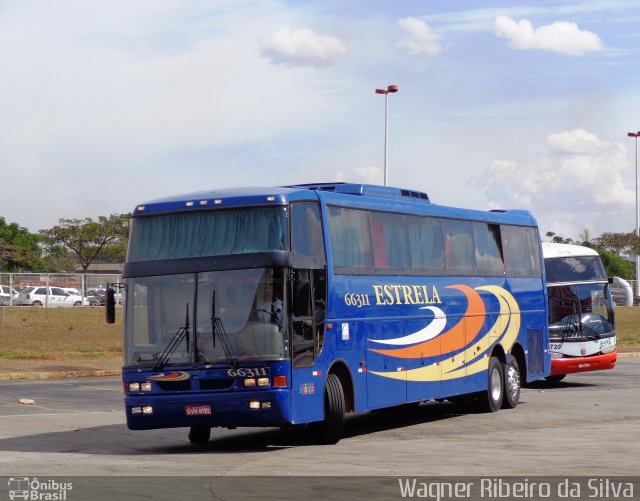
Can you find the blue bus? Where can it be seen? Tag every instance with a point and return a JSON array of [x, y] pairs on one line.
[[296, 305]]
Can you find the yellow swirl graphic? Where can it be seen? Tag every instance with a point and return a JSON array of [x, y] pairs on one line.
[[505, 330], [171, 376]]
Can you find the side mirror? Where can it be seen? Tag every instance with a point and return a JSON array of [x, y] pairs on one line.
[[110, 308]]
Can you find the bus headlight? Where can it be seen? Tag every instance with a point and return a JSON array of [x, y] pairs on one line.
[[263, 381], [608, 349], [555, 354], [256, 404], [140, 386], [249, 382]]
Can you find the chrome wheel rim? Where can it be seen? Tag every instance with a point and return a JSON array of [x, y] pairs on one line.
[[496, 385], [513, 381]]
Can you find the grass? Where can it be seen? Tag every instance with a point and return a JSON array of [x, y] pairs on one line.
[[628, 326], [29, 333]]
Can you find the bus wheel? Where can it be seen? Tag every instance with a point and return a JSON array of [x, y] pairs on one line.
[[199, 434], [491, 400], [329, 431], [511, 384], [556, 379]]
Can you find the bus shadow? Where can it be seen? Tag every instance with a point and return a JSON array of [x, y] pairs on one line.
[[117, 440], [356, 425], [543, 384]]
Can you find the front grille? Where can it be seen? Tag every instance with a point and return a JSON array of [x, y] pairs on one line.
[[174, 385], [216, 384]]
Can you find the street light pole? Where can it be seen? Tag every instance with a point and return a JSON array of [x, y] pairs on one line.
[[391, 89], [635, 135]]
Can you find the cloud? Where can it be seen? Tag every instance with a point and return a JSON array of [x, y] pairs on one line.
[[366, 174], [579, 141], [420, 39], [560, 36], [301, 47], [579, 175]]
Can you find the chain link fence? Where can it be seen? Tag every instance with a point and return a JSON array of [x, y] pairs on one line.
[[91, 286]]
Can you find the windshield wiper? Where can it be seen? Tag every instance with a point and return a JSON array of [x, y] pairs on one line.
[[181, 333], [217, 327]]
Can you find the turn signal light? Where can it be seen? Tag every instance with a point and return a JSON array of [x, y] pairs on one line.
[[280, 381]]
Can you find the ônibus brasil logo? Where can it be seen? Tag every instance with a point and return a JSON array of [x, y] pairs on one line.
[[34, 489]]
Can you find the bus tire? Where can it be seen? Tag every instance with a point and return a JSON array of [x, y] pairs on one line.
[[491, 399], [330, 429], [556, 379], [199, 434], [512, 384]]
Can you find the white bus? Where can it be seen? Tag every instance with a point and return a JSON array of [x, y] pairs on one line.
[[582, 331]]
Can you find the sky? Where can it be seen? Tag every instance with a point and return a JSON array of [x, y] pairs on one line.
[[523, 105]]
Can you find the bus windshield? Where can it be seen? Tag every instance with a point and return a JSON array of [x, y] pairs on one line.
[[580, 311], [205, 318]]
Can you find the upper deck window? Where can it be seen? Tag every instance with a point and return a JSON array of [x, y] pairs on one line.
[[574, 269], [208, 233]]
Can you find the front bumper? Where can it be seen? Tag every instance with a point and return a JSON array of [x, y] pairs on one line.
[[583, 364], [225, 409]]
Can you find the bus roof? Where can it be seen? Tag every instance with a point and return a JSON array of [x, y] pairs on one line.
[[357, 195], [552, 250]]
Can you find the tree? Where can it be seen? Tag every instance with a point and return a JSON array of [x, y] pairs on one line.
[[59, 259], [615, 266], [620, 243], [88, 239], [585, 235], [557, 239], [19, 249], [610, 246]]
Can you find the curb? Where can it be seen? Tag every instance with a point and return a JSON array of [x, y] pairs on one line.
[[10, 376]]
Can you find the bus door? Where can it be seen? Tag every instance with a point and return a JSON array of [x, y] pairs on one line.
[[307, 292], [307, 303]]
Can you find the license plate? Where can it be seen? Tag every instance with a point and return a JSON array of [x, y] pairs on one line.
[[198, 410]]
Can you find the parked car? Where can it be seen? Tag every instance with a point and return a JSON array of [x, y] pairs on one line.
[[53, 297], [100, 295], [8, 295], [97, 297]]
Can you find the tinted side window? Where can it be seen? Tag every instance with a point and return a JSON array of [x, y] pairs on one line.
[[388, 241], [459, 248], [521, 248], [306, 233], [488, 249], [426, 244], [350, 240]]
